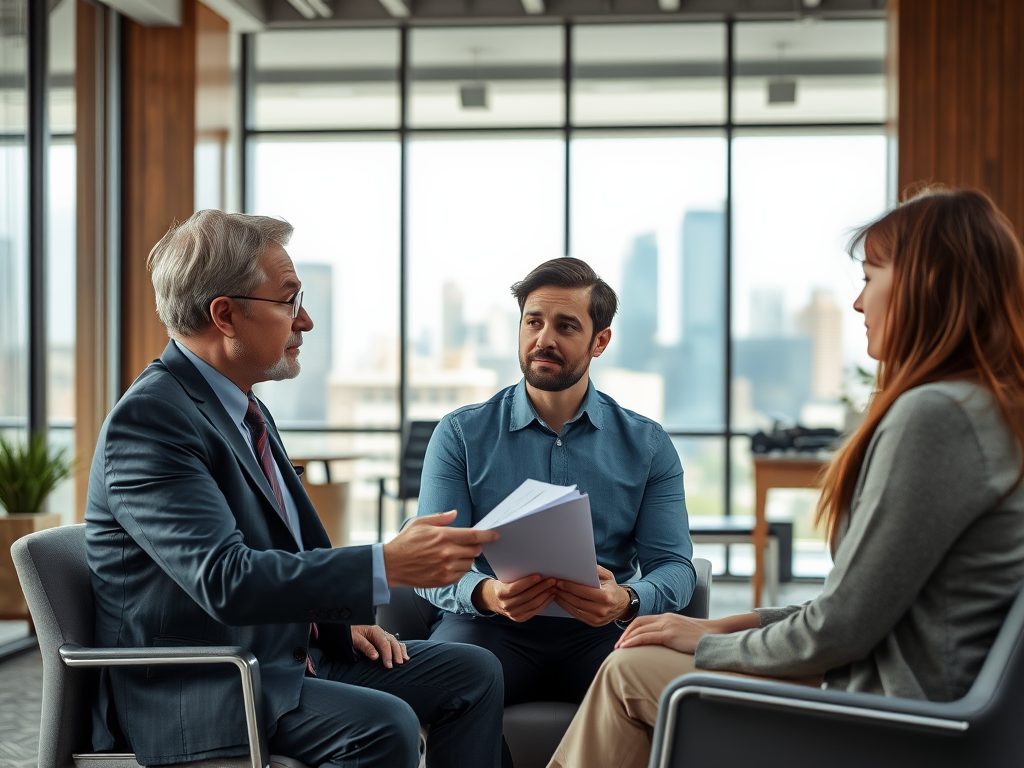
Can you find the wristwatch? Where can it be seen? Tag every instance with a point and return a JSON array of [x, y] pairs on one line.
[[632, 610]]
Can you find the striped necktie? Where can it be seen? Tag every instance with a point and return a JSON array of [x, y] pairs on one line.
[[258, 426]]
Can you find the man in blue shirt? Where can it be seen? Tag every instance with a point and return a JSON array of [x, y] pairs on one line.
[[554, 426]]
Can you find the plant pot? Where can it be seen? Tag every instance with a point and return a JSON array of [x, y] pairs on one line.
[[12, 528]]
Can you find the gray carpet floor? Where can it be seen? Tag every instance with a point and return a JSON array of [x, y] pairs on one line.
[[21, 685]]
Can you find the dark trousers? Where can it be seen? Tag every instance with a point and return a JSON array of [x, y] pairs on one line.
[[543, 659], [362, 714]]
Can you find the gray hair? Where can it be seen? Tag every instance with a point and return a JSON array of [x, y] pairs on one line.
[[210, 254]]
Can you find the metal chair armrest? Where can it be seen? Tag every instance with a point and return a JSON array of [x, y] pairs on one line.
[[741, 700], [246, 663]]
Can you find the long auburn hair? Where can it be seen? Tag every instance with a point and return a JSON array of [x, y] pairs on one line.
[[956, 311]]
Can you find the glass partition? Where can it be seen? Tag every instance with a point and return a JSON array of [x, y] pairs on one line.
[[341, 195], [483, 212], [810, 71], [493, 76], [13, 217], [325, 79], [648, 214], [654, 74]]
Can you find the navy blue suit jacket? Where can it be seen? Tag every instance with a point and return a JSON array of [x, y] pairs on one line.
[[186, 547]]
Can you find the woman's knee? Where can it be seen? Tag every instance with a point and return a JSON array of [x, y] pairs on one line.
[[646, 668]]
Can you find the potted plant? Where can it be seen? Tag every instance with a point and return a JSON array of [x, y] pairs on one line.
[[28, 473]]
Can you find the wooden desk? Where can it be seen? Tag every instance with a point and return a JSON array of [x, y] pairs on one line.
[[777, 472]]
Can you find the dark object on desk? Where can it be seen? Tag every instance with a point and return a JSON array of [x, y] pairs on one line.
[[532, 730], [700, 715], [799, 439], [415, 438]]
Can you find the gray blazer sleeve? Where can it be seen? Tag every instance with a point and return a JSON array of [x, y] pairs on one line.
[[923, 482]]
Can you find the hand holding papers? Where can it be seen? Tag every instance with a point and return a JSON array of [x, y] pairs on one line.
[[544, 529]]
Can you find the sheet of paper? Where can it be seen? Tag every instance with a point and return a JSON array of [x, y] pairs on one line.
[[529, 497], [555, 542]]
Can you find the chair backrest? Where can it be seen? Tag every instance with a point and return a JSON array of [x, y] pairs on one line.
[[415, 438], [54, 576], [998, 691], [700, 601]]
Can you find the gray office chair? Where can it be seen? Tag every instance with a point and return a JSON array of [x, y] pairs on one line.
[[532, 730], [54, 575], [716, 721]]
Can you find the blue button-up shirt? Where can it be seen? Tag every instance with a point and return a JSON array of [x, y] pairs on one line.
[[626, 463]]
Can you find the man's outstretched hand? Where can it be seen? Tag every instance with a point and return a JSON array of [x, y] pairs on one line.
[[596, 607], [428, 553]]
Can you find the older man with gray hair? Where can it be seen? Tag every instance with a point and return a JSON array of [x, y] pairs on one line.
[[199, 532]]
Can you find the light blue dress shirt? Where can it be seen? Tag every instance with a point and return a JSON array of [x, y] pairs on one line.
[[625, 462], [236, 403]]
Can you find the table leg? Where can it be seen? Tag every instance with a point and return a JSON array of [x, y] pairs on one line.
[[760, 539]]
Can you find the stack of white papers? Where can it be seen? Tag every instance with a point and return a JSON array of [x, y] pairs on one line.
[[544, 529]]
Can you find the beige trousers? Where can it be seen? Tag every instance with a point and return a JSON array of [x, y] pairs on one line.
[[615, 722]]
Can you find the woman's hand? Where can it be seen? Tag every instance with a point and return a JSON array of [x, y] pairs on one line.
[[681, 633]]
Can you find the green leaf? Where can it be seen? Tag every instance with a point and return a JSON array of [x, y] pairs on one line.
[[28, 474]]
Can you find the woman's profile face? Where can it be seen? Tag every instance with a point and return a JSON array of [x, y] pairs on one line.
[[873, 303]]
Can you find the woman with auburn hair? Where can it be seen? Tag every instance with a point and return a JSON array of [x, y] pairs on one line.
[[923, 505]]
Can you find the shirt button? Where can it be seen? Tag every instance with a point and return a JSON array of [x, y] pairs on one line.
[[558, 442]]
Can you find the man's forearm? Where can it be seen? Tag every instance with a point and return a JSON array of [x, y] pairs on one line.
[[458, 598]]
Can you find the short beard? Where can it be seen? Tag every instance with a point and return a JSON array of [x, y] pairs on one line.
[[281, 370], [553, 382]]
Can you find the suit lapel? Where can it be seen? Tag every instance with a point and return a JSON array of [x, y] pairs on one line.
[[210, 406], [313, 533]]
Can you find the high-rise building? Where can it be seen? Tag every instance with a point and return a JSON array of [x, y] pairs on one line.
[[695, 376], [779, 371], [304, 398], [453, 328], [766, 314], [637, 323], [822, 320]]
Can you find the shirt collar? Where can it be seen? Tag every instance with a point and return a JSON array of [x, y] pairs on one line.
[[234, 400], [524, 414]]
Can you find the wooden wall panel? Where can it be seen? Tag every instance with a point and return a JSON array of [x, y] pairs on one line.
[[158, 168], [961, 97], [90, 301]]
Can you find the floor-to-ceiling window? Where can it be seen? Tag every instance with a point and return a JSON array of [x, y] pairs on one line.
[[14, 218], [711, 172]]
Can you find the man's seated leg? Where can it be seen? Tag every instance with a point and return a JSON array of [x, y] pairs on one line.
[[344, 725], [519, 649], [456, 691], [576, 660]]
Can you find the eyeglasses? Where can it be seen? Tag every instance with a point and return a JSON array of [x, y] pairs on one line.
[[295, 302]]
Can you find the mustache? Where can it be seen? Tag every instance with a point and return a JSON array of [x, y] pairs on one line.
[[543, 354], [295, 340]]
